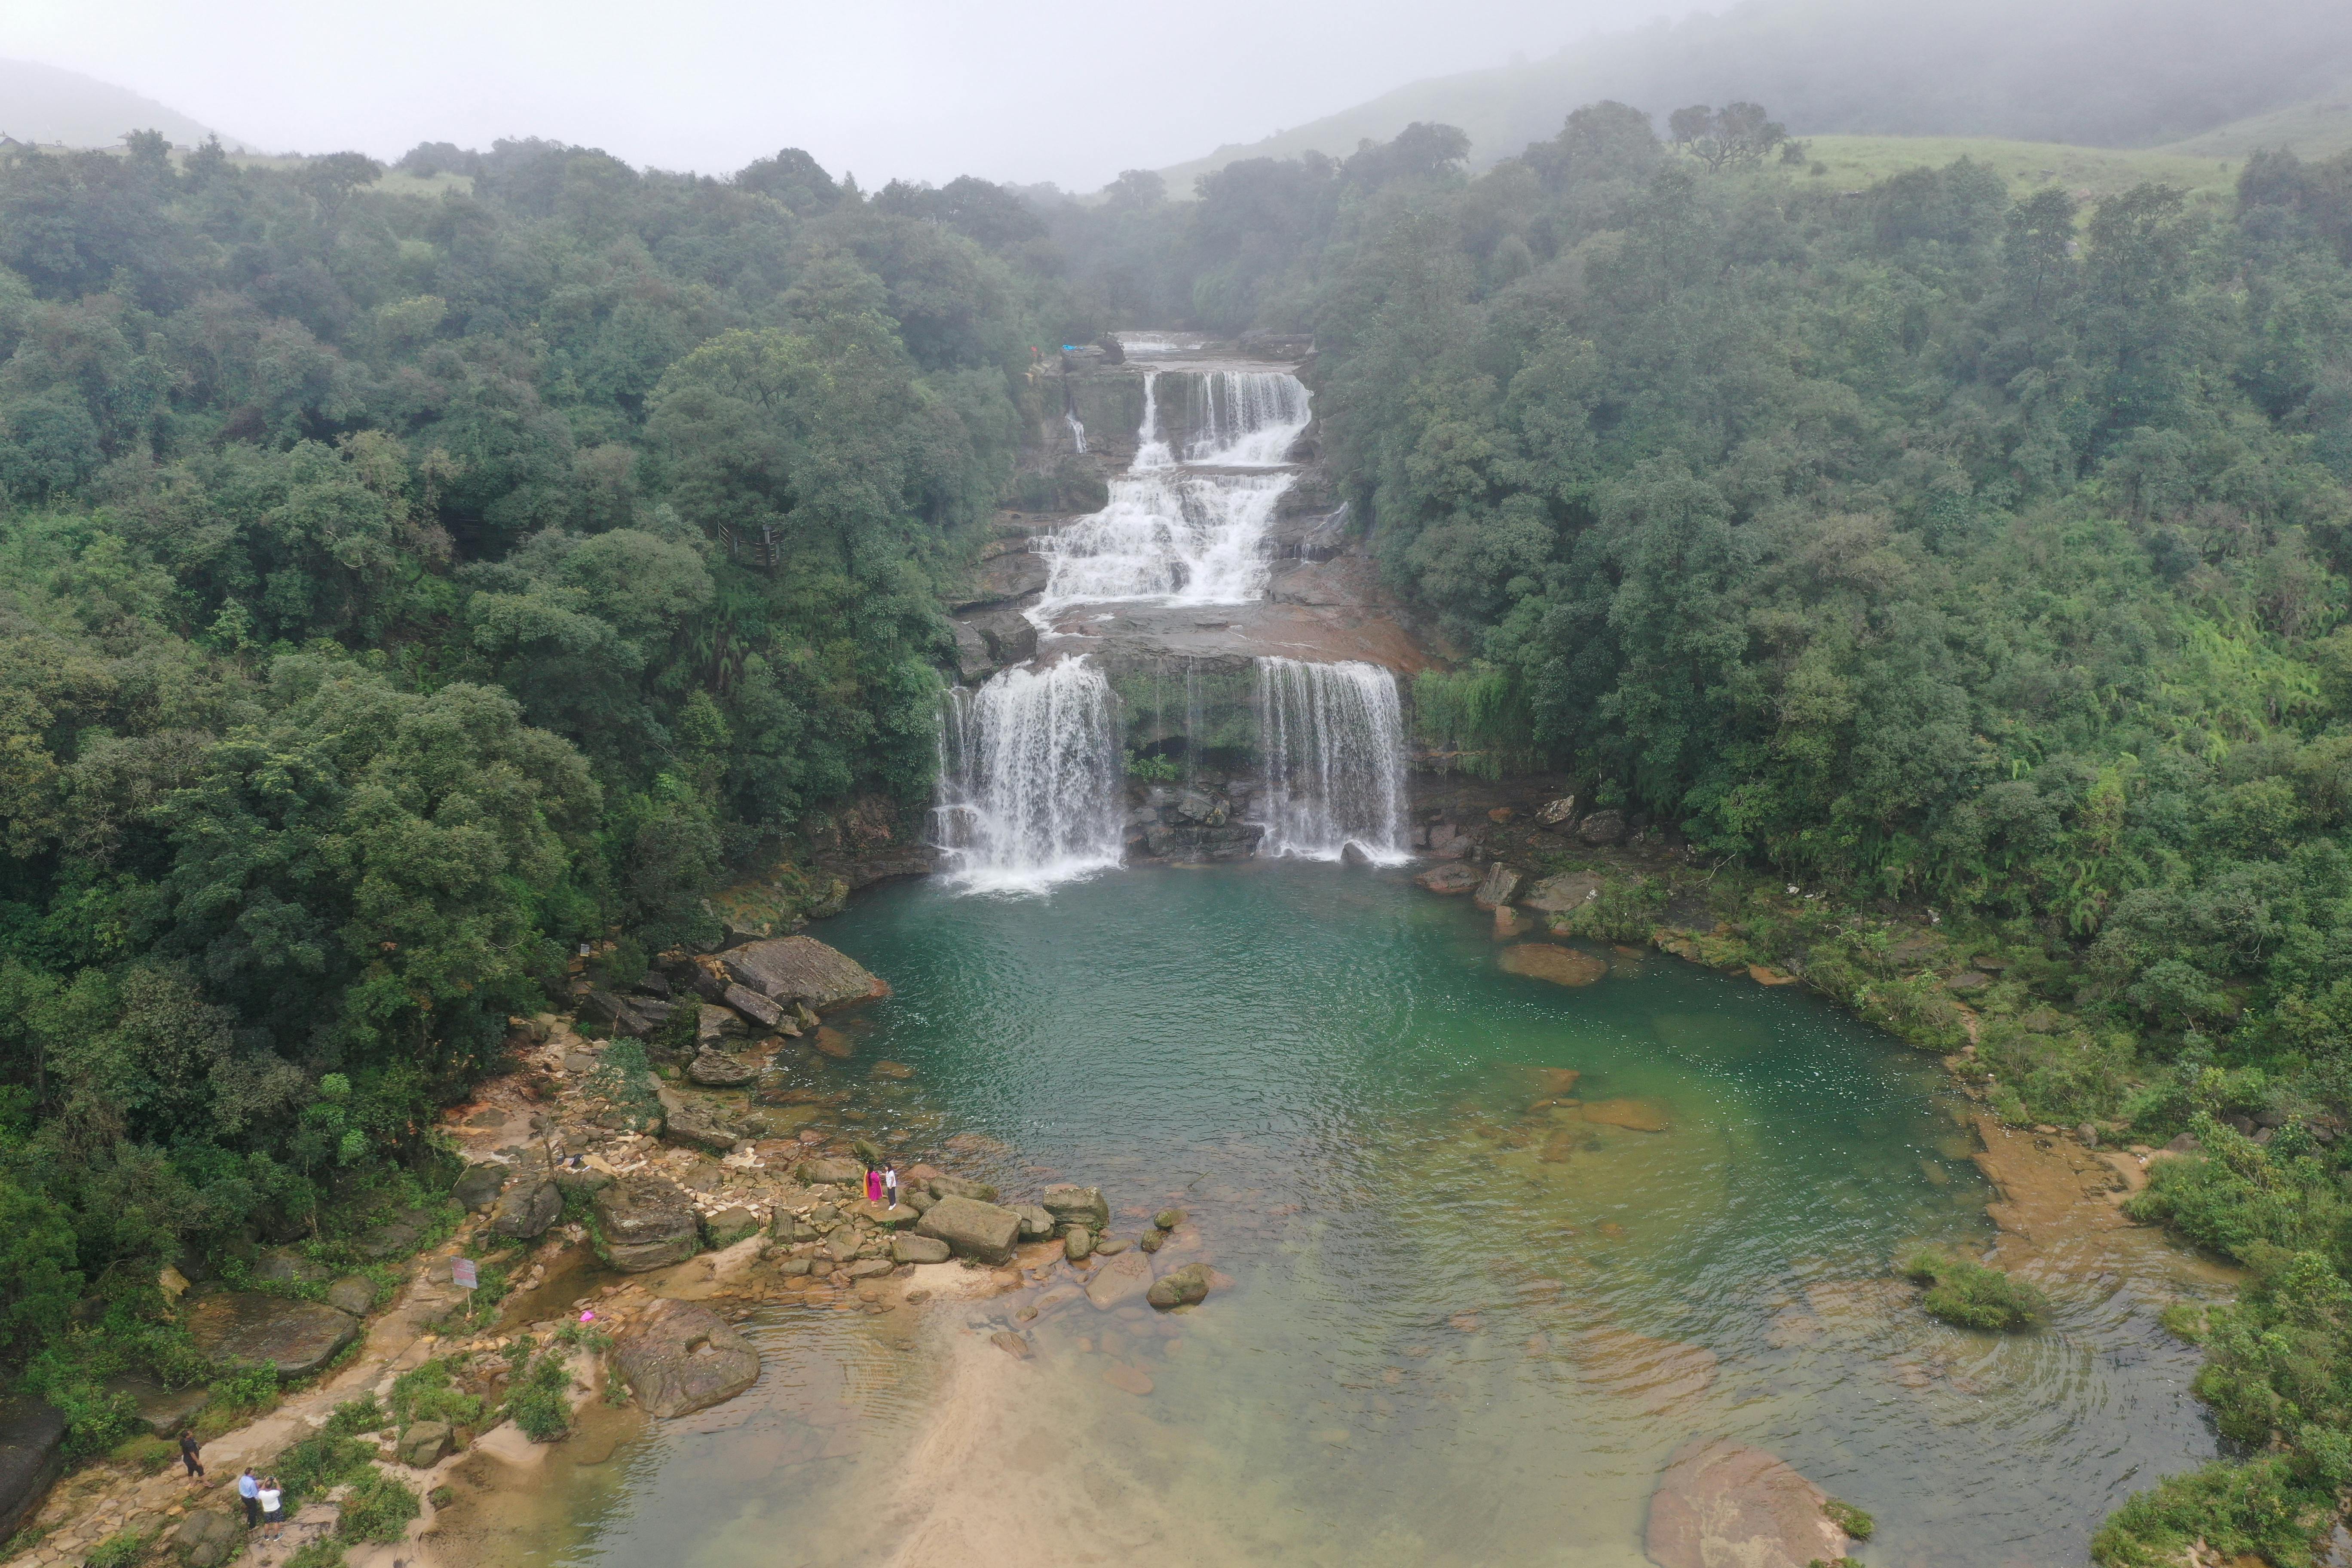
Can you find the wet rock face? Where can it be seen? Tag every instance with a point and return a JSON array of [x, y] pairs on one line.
[[1724, 1502], [31, 1433], [646, 1224], [681, 1358], [245, 1328]]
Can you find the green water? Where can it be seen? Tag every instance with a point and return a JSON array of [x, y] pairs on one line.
[[1428, 1352]]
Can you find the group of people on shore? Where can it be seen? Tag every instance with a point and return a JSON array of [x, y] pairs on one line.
[[264, 1496], [882, 1185]]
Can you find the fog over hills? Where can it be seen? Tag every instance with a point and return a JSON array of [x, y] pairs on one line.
[[2113, 73], [41, 103]]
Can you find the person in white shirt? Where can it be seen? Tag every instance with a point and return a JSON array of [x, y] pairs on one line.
[[273, 1518], [890, 1184]]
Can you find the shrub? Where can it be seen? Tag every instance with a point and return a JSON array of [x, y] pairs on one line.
[[353, 1416], [320, 1463], [427, 1393], [121, 1549], [1850, 1519], [2256, 1508], [1976, 1297], [2240, 1194], [324, 1553], [377, 1509], [542, 1405]]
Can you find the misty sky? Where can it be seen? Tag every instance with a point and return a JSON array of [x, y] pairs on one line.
[[1033, 89]]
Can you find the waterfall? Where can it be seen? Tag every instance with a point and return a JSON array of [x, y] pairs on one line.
[[1175, 535], [1030, 778], [1248, 419], [1077, 432], [1332, 759]]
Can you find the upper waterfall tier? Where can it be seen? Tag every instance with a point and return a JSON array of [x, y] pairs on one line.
[[1180, 528]]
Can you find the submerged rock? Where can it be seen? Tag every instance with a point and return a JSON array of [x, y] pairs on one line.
[[1558, 895], [682, 1358], [1453, 878], [1127, 1278], [1658, 1376], [1721, 1502], [1185, 1287], [1633, 1115], [1546, 960]]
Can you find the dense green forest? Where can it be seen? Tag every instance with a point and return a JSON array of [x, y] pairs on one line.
[[399, 590]]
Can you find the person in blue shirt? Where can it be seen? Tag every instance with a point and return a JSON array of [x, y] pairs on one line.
[[250, 1489]]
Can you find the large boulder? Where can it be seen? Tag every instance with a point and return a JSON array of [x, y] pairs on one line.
[[528, 1207], [729, 1225], [833, 1170], [801, 968], [208, 1538], [1602, 827], [713, 1025], [162, 1411], [1074, 1205], [699, 1125], [245, 1328], [973, 1228], [1722, 1502], [752, 1004], [1037, 1222], [1500, 886], [478, 1188], [713, 1070], [353, 1294], [626, 1017], [917, 1249], [646, 1223], [1558, 895], [32, 1432], [285, 1266], [425, 1443], [958, 1188], [681, 1357]]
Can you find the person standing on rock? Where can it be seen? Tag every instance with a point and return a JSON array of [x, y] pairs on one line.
[[250, 1491], [189, 1449], [873, 1185], [890, 1184], [273, 1513]]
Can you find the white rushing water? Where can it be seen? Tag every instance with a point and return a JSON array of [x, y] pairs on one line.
[[1030, 778], [1332, 760], [1173, 534], [1077, 432]]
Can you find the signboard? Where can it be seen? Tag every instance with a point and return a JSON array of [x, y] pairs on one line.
[[463, 1274]]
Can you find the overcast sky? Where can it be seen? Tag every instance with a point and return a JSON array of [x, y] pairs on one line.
[[1068, 90]]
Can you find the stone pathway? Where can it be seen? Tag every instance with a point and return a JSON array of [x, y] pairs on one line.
[[106, 1498]]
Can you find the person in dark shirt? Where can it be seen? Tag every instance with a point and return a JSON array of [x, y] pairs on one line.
[[189, 1448]]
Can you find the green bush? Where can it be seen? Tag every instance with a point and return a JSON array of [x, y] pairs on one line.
[[324, 1553], [429, 1392], [378, 1506], [542, 1404], [1850, 1519], [318, 1463], [353, 1416], [121, 1549], [1975, 1297], [2256, 1508], [2240, 1194], [1153, 769]]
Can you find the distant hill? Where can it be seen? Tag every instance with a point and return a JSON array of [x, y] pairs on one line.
[[42, 103], [2102, 73], [2314, 128]]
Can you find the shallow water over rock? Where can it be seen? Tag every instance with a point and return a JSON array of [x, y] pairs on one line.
[[1497, 1249]]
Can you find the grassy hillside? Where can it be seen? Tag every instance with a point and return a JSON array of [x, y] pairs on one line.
[[2090, 173], [2101, 73], [2316, 128]]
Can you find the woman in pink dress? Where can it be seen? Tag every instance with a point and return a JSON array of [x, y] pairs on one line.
[[873, 1185]]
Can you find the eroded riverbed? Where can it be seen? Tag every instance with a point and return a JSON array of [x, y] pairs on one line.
[[1467, 1324]]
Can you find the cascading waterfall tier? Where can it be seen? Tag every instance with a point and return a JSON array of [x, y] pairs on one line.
[[1332, 760], [1172, 533], [1030, 778]]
